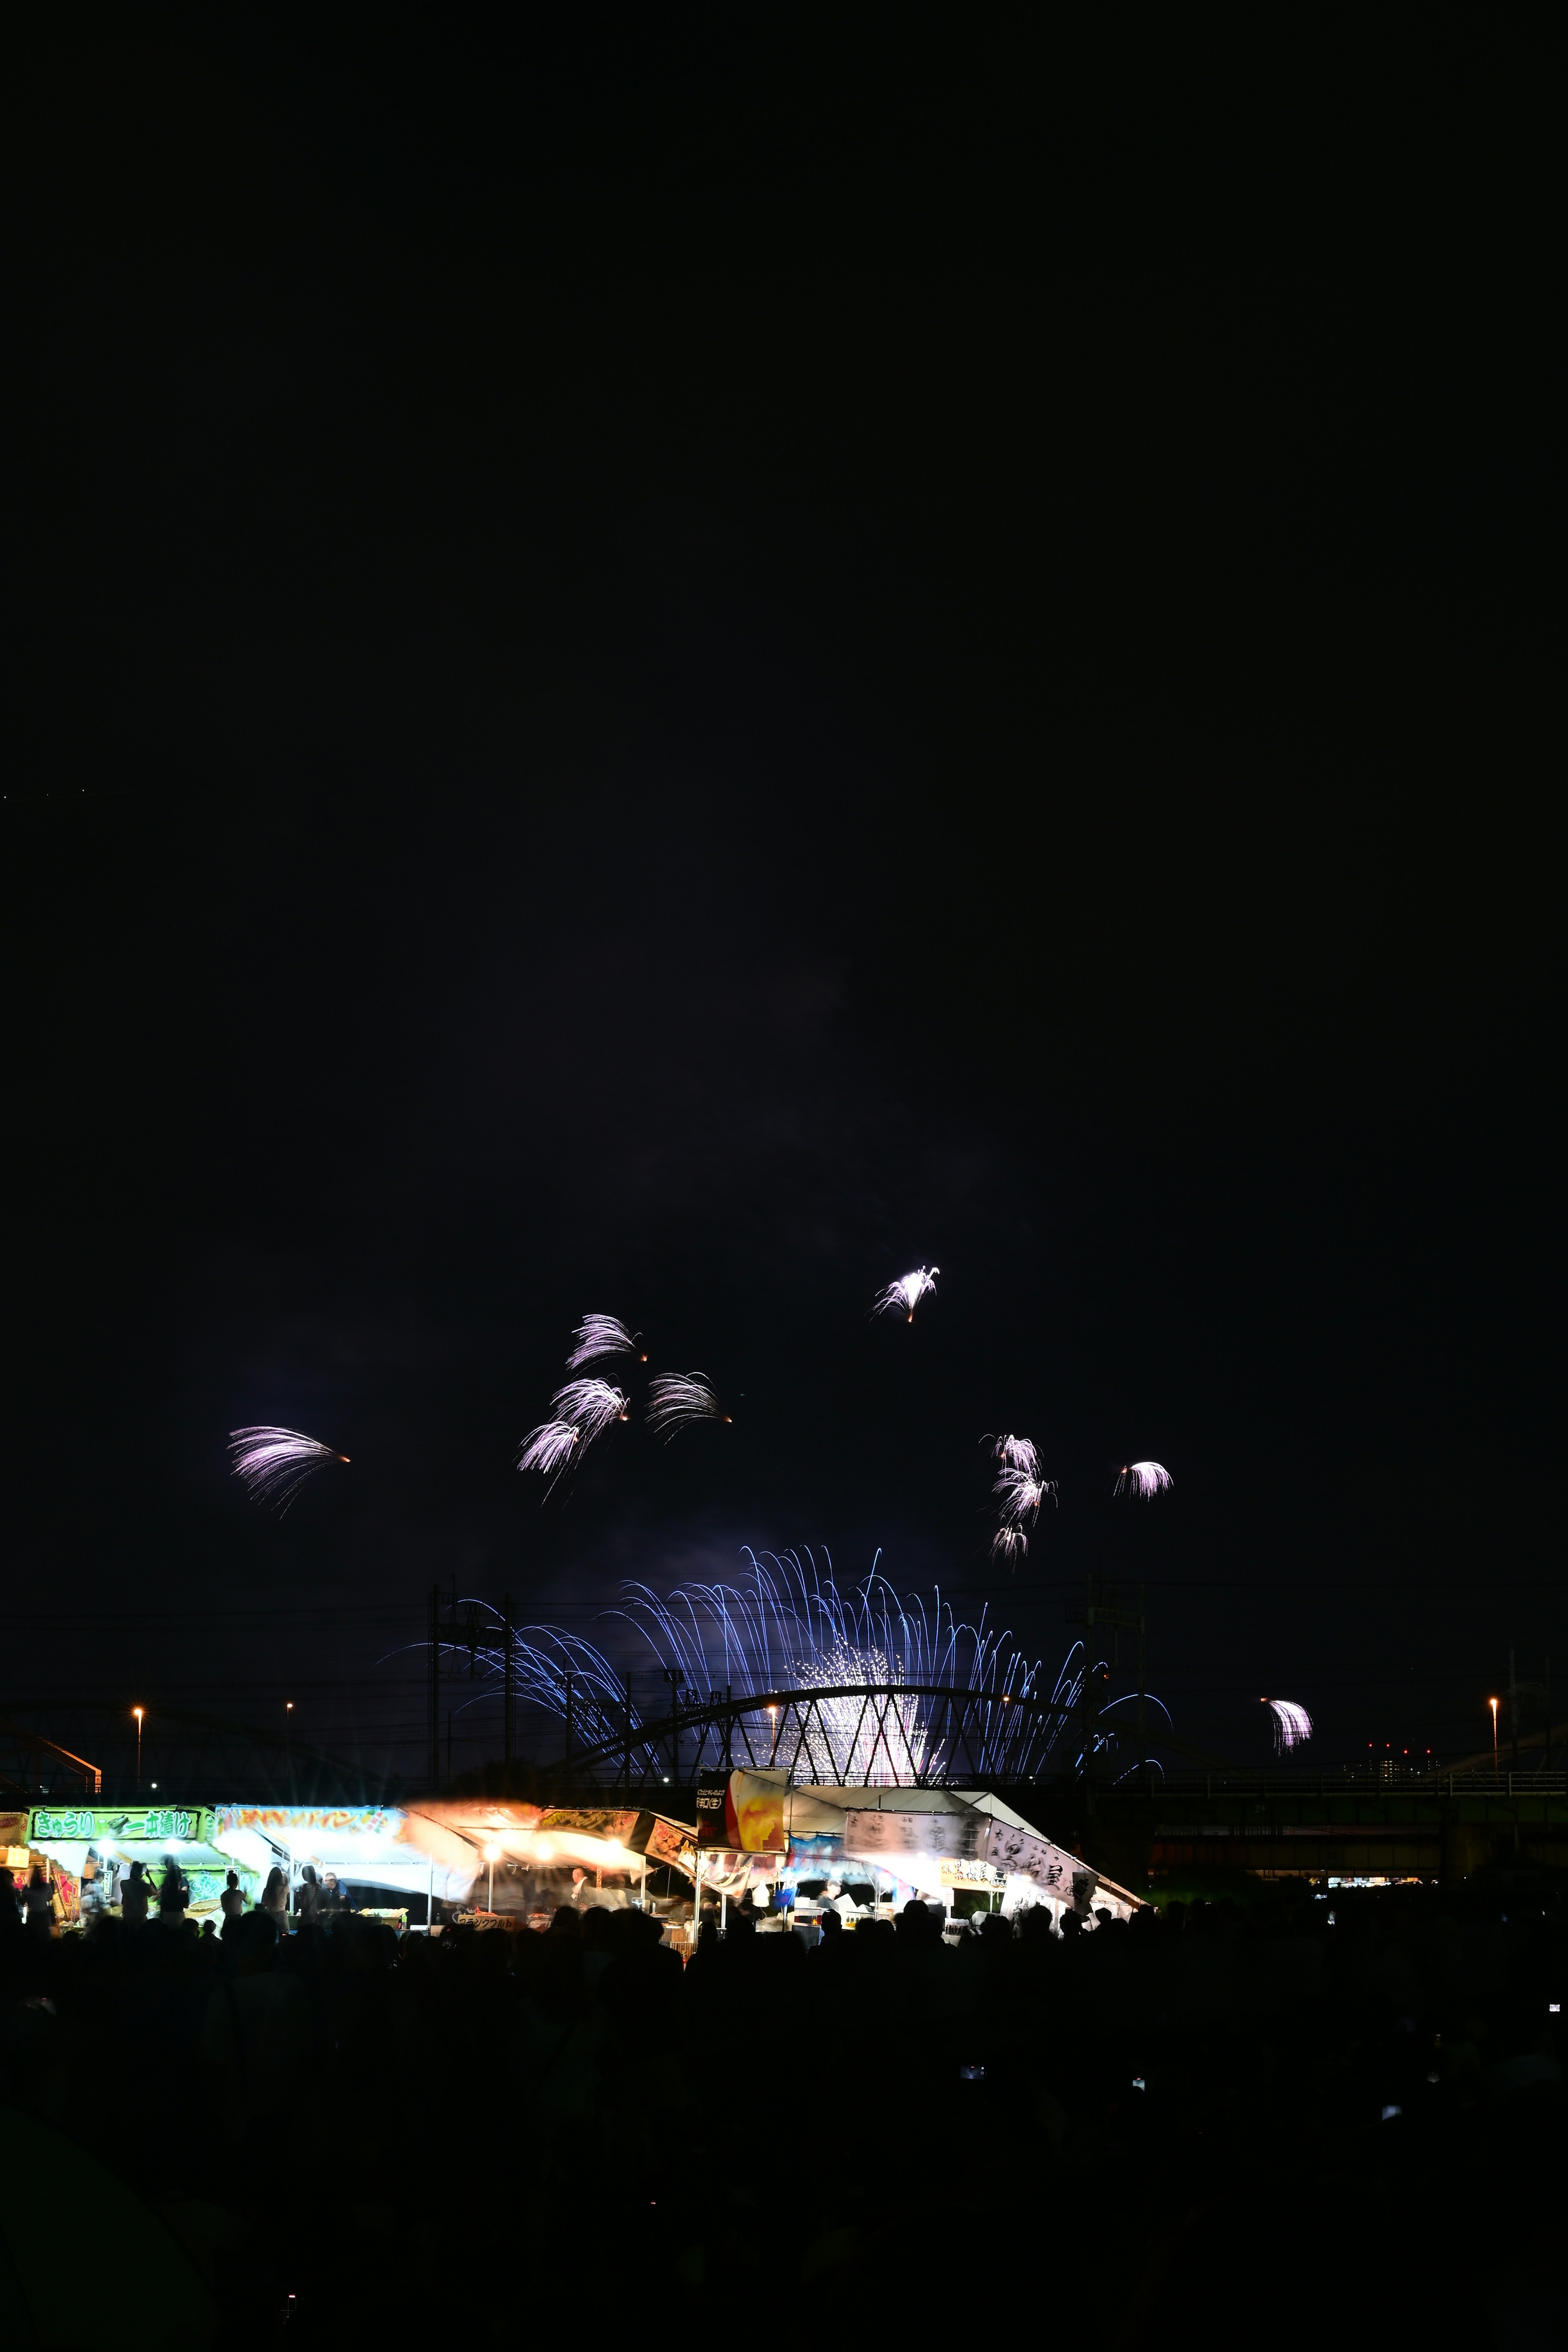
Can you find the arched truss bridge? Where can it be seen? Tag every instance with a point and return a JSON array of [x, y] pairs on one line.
[[904, 1734]]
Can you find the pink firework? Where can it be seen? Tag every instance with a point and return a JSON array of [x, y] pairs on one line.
[[550, 1447], [1145, 1479], [1009, 1543], [1016, 1453], [602, 1334], [275, 1463], [676, 1398], [1292, 1724], [590, 1406], [1020, 1495], [901, 1297]]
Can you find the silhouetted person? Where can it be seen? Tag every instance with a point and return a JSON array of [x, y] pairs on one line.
[[40, 1902], [173, 1895], [275, 1896], [231, 1903], [916, 1927], [308, 1900], [133, 1896]]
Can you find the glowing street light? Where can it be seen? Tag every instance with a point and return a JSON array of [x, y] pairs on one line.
[[1492, 1704], [139, 1712]]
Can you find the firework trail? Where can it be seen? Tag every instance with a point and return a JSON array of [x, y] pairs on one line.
[[275, 1463], [591, 1406], [1292, 1724], [676, 1398], [1015, 1453], [548, 1447], [602, 1334], [784, 1626], [1022, 1494], [901, 1297], [1009, 1543], [1144, 1478]]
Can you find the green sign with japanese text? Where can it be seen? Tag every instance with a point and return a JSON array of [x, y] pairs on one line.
[[159, 1826]]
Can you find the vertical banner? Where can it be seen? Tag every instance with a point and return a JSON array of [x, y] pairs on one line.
[[742, 1813]]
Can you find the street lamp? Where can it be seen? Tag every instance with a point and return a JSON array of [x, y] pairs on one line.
[[492, 1855], [137, 1712], [1492, 1704]]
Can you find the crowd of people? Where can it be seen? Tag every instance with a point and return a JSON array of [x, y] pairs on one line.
[[1099, 2121]]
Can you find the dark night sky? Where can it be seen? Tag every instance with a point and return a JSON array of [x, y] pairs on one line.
[[671, 671]]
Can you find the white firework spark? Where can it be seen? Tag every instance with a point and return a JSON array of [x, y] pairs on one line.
[[1292, 1724], [1144, 1478], [1022, 1494], [275, 1463], [901, 1297], [590, 1406], [676, 1398], [548, 1447], [1016, 1453], [1009, 1543], [602, 1334], [785, 1627]]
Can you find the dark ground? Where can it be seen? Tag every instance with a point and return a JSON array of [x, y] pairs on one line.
[[1176, 2129]]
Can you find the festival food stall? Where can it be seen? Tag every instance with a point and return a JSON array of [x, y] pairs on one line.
[[535, 1858], [863, 1851], [408, 1861], [89, 1850], [792, 1852]]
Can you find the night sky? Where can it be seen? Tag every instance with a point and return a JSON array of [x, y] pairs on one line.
[[673, 670]]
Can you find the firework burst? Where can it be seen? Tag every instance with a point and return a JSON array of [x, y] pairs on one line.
[[676, 1398], [1021, 1493], [1015, 1454], [1144, 1478], [786, 1626], [550, 1447], [591, 1406], [602, 1334], [1009, 1543], [901, 1297], [1292, 1724], [275, 1463]]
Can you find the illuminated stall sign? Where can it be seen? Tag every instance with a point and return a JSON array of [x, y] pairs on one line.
[[591, 1820], [120, 1825], [286, 1822], [670, 1846], [742, 1813], [938, 1837], [1022, 1855]]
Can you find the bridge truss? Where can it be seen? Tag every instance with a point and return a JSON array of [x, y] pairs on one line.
[[889, 1735]]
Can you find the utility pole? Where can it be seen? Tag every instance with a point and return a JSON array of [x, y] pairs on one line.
[[509, 1694], [1102, 1608], [1085, 1696], [1513, 1707], [1143, 1694], [433, 1646]]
